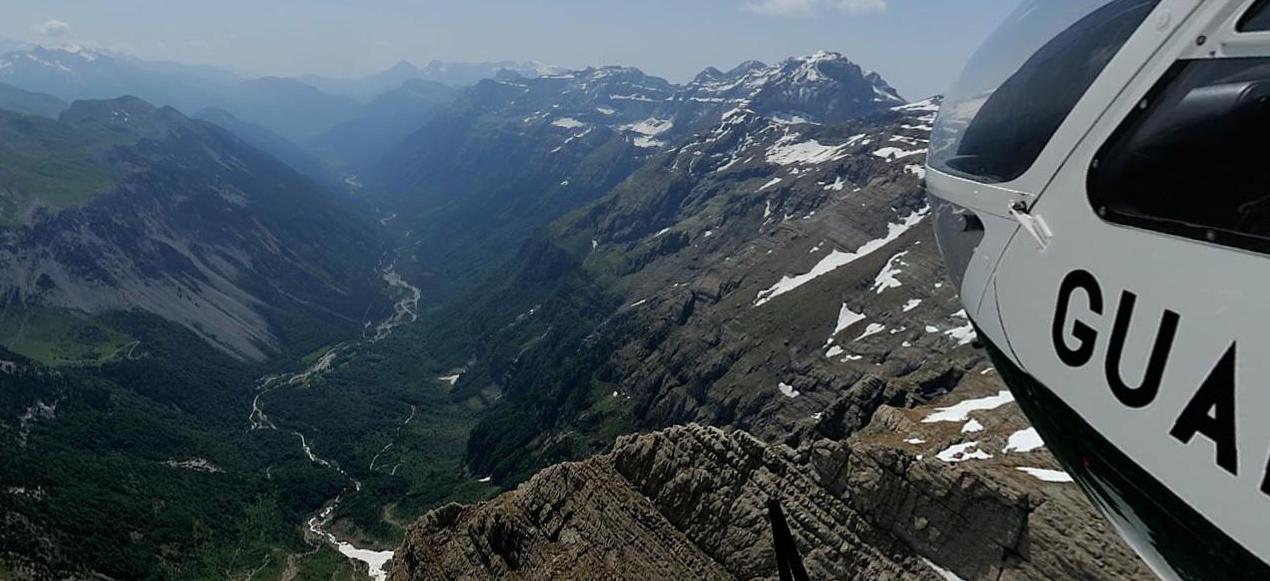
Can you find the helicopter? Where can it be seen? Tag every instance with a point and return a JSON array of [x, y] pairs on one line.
[[1101, 196]]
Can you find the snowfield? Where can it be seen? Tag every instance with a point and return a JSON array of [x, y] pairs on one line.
[[1024, 441], [961, 411], [838, 259], [1048, 475], [568, 123]]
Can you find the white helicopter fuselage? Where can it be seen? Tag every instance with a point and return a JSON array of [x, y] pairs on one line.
[[1136, 339]]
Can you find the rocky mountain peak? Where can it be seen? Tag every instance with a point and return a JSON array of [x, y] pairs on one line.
[[53, 56], [825, 87], [456, 74], [508, 75], [103, 109], [745, 68], [403, 67], [815, 67], [124, 117], [708, 75], [55, 62]]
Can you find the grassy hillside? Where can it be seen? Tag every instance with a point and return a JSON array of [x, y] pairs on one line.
[[21, 101], [46, 163], [61, 337]]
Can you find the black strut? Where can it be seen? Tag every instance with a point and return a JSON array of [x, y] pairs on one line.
[[789, 564]]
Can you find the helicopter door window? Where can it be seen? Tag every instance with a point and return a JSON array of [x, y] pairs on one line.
[[1190, 160], [1021, 85], [1257, 18]]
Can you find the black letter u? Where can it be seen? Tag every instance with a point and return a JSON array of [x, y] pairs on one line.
[[1143, 395]]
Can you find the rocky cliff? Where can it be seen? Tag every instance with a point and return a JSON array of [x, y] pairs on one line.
[[689, 502]]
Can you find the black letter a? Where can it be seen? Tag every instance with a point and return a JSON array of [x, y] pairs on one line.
[[1215, 395]]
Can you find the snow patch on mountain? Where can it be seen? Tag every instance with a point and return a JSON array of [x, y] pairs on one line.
[[1047, 475], [886, 278], [838, 259], [961, 411], [871, 330], [846, 318], [568, 123], [925, 105], [963, 452], [1024, 441], [789, 150], [895, 153]]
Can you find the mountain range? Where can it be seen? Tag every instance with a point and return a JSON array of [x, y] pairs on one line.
[[546, 323], [300, 109], [445, 73]]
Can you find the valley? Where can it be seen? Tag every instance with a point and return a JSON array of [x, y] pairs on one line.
[[404, 312], [546, 322]]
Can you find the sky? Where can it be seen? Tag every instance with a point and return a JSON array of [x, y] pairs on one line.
[[919, 46]]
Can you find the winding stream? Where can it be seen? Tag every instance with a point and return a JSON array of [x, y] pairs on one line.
[[405, 311]]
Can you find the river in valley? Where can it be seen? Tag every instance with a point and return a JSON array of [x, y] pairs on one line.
[[405, 311]]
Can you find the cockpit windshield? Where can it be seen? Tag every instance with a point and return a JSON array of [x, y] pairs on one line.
[[1025, 80]]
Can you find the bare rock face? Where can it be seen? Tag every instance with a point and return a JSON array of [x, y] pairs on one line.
[[973, 502], [714, 486], [579, 520], [689, 503]]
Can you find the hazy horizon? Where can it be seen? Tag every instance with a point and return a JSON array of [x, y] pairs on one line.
[[917, 45]]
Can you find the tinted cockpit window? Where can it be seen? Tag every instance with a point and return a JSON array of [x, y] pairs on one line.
[[1257, 18], [1025, 80], [1191, 162]]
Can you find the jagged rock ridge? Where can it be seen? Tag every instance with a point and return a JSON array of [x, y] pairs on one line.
[[690, 503]]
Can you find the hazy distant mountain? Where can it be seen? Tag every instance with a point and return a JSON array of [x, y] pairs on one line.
[[273, 144], [285, 106], [8, 44], [289, 107], [183, 71], [452, 74], [369, 86], [74, 72], [20, 101], [461, 74], [381, 124]]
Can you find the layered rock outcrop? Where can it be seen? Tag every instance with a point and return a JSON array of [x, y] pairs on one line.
[[689, 502]]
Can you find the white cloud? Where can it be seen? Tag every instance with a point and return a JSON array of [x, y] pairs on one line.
[[802, 7], [52, 28], [783, 7], [862, 6]]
